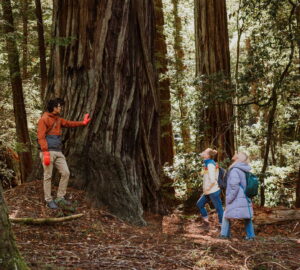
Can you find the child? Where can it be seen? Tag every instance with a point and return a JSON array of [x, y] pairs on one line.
[[211, 190]]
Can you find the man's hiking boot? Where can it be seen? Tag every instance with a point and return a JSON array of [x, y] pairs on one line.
[[52, 205], [62, 202]]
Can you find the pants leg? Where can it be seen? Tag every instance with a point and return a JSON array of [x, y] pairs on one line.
[[62, 166], [249, 228], [47, 176], [201, 205], [216, 200], [225, 229]]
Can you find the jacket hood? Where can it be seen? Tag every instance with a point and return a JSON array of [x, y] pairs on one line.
[[243, 166], [48, 114]]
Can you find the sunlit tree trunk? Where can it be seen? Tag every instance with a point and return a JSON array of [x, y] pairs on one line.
[[213, 67], [178, 83], [42, 47], [23, 140], [107, 69]]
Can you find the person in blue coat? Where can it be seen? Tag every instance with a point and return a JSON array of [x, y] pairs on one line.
[[238, 206]]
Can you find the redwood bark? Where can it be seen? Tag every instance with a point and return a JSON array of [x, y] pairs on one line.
[[166, 132], [107, 70], [166, 143], [10, 257], [213, 65], [42, 47], [23, 139]]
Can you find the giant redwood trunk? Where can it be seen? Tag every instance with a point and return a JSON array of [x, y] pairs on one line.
[[166, 132], [213, 67], [166, 138], [106, 69], [9, 254], [23, 140]]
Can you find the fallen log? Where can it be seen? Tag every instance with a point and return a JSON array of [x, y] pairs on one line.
[[272, 216], [40, 221]]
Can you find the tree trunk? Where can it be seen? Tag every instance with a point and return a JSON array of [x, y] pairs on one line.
[[107, 69], [297, 12], [213, 67], [179, 70], [42, 48], [23, 140], [297, 204], [166, 148], [10, 257], [166, 132], [24, 8]]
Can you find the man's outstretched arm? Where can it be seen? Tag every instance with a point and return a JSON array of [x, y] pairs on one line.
[[67, 123]]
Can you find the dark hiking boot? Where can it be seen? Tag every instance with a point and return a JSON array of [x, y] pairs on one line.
[[62, 202], [52, 205]]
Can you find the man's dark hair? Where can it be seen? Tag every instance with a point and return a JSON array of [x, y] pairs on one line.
[[52, 103]]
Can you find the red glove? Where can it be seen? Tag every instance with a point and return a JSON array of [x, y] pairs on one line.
[[86, 119], [46, 158]]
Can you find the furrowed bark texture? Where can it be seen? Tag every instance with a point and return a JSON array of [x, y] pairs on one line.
[[106, 69], [213, 63]]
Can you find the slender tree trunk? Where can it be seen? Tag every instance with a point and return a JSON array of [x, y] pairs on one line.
[[166, 133], [297, 204], [42, 47], [24, 146], [10, 258], [107, 70], [24, 5], [179, 70], [297, 12], [213, 66]]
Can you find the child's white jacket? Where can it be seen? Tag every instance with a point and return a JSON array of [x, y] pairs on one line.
[[210, 179]]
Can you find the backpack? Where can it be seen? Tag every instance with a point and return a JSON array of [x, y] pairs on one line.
[[222, 179], [252, 185], [252, 181]]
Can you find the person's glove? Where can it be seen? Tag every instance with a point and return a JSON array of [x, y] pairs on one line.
[[46, 158], [86, 119]]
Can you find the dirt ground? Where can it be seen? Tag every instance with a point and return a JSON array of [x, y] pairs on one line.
[[98, 240]]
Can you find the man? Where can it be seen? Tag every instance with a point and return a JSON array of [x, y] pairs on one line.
[[49, 139]]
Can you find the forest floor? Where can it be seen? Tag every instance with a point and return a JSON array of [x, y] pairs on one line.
[[98, 240]]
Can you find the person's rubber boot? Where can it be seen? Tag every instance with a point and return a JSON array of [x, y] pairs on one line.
[[52, 205]]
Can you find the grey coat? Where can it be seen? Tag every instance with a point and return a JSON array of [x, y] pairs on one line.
[[237, 206]]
